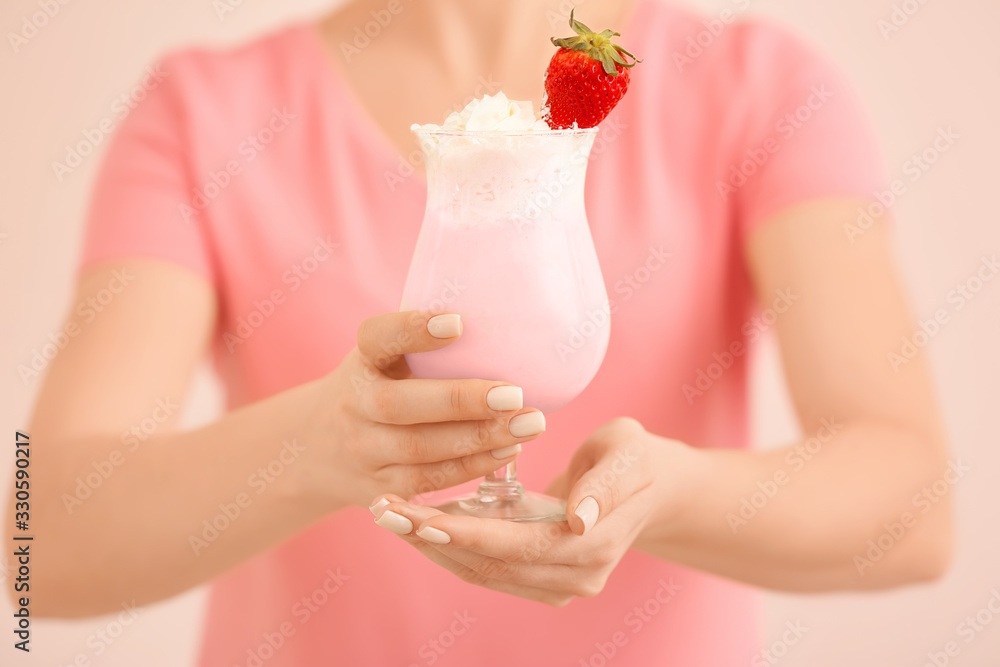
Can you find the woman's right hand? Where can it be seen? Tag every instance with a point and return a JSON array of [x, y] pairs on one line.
[[385, 431]]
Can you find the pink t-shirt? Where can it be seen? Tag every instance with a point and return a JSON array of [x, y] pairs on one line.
[[257, 169]]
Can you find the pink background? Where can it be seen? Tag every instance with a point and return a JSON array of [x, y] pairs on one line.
[[940, 69]]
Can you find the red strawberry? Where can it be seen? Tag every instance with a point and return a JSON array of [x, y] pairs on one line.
[[586, 77]]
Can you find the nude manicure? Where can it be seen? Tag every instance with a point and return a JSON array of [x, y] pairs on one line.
[[531, 423], [397, 523], [505, 452], [434, 535], [505, 398], [448, 325]]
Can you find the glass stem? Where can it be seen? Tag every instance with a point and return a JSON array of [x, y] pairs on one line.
[[501, 483]]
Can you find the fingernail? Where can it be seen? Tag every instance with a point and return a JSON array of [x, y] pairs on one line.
[[504, 452], [448, 325], [531, 423], [505, 398], [381, 502], [588, 511], [397, 523], [434, 535]]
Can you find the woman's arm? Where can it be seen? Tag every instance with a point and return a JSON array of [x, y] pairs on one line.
[[858, 503], [805, 517], [124, 508]]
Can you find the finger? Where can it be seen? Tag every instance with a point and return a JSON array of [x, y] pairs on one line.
[[430, 443], [435, 554], [508, 541], [502, 554], [471, 576], [383, 339], [620, 473], [409, 520], [428, 477], [413, 401]]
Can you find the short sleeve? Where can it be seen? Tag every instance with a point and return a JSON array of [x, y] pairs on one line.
[[141, 204], [808, 135]]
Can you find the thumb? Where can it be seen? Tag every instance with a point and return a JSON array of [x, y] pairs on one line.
[[614, 477]]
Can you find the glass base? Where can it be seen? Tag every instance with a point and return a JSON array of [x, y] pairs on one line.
[[524, 506]]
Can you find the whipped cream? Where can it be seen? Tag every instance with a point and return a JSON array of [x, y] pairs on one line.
[[493, 113]]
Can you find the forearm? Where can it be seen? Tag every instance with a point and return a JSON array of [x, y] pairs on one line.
[[805, 517], [173, 511]]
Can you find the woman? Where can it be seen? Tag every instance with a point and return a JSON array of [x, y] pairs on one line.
[[264, 202]]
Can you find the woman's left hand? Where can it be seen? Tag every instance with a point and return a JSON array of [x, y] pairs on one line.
[[610, 492]]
